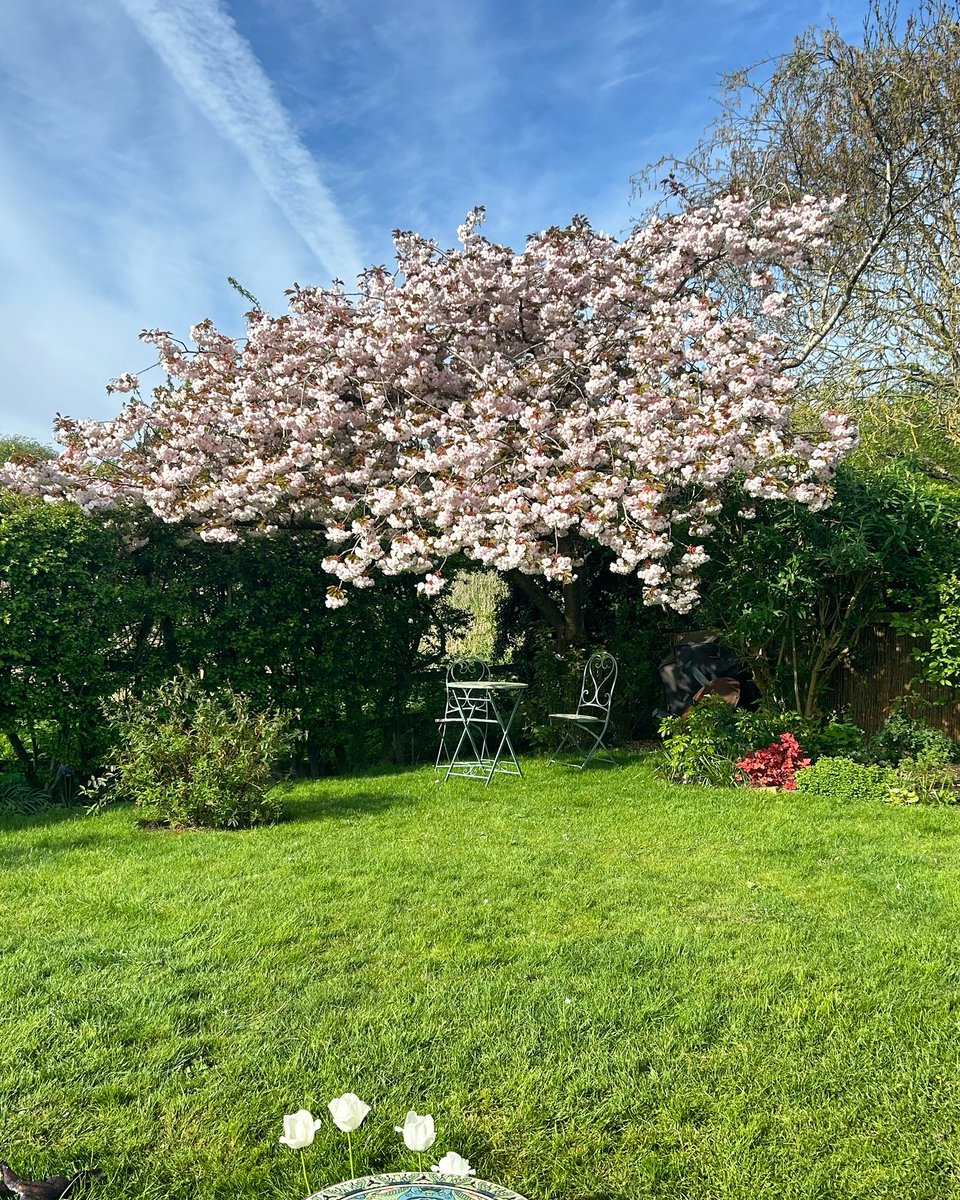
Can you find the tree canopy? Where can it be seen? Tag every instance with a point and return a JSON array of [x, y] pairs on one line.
[[515, 408], [27, 449]]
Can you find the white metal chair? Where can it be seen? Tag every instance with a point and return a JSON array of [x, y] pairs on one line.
[[588, 726], [459, 671]]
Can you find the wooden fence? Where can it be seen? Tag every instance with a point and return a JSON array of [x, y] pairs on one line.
[[881, 675]]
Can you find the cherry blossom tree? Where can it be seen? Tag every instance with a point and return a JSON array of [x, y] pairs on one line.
[[521, 409]]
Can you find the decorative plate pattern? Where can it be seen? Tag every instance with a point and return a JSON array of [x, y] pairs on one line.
[[414, 1186]]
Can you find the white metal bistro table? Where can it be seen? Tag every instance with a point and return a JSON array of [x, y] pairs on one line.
[[409, 1185], [481, 712]]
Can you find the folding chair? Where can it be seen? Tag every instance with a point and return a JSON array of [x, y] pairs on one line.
[[588, 725], [460, 670]]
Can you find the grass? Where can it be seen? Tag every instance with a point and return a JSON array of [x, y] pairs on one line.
[[602, 986]]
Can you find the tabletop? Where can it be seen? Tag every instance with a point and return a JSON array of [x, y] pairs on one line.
[[490, 685], [415, 1186]]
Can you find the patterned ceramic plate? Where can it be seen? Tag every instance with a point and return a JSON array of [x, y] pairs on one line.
[[406, 1186]]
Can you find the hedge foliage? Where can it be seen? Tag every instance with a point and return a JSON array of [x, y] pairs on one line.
[[91, 610]]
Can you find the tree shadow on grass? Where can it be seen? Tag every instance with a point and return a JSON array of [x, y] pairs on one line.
[[12, 857], [351, 804], [52, 814], [372, 771]]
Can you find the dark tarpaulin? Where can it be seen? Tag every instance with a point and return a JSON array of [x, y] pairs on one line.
[[694, 663]]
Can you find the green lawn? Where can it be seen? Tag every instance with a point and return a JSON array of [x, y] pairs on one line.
[[601, 986]]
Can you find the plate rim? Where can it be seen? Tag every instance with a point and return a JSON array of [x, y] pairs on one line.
[[344, 1189]]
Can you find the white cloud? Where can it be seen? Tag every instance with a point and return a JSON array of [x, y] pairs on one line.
[[150, 148], [200, 46], [76, 296]]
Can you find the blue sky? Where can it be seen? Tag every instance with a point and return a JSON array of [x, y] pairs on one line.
[[151, 148]]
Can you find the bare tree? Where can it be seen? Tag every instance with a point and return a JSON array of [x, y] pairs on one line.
[[878, 121]]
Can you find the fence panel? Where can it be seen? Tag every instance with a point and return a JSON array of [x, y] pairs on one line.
[[881, 675]]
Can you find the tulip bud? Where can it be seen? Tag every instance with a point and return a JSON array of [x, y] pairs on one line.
[[453, 1164], [418, 1132], [298, 1129], [348, 1112]]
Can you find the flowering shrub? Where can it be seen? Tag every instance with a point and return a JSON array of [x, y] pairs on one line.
[[776, 766]]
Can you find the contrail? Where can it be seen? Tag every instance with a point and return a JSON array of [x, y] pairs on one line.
[[217, 69]]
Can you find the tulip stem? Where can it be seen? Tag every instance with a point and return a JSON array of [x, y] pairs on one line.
[[350, 1152], [420, 1160], [306, 1181]]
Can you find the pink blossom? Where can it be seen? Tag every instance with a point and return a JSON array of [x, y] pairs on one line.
[[512, 407], [127, 382]]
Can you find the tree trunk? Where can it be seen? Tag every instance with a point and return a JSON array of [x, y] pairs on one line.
[[566, 619], [27, 763], [542, 601], [313, 757], [574, 633]]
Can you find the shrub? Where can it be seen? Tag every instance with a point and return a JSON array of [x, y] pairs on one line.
[[702, 745], [775, 766], [844, 779], [901, 737], [832, 737], [817, 735], [190, 758]]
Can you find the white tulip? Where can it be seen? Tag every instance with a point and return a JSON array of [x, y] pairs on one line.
[[348, 1112], [418, 1132], [453, 1164], [298, 1129]]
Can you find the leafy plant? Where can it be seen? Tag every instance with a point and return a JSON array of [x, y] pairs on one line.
[[776, 765], [834, 738], [937, 630], [903, 737], [706, 743], [20, 798], [917, 785], [702, 745], [823, 576], [192, 758], [817, 735], [844, 779]]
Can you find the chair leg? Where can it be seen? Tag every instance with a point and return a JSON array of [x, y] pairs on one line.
[[599, 744], [441, 747], [595, 745], [563, 742]]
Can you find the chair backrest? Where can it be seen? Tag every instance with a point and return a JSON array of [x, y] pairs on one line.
[[463, 706], [465, 669], [599, 680]]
